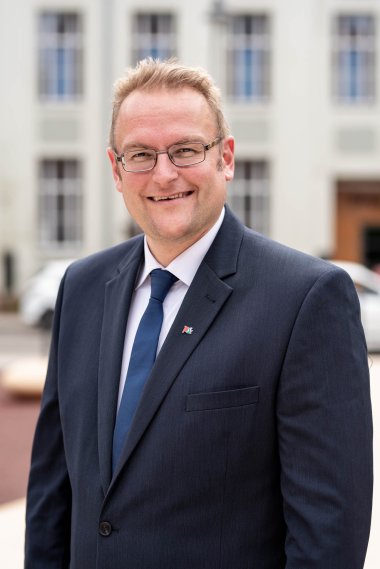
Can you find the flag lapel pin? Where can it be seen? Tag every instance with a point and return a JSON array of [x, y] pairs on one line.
[[187, 330]]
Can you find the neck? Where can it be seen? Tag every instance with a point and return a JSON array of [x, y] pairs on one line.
[[165, 254], [166, 251]]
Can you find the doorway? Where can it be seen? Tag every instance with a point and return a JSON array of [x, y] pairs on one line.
[[358, 221]]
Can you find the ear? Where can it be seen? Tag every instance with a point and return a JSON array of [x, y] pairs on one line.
[[228, 158], [115, 165]]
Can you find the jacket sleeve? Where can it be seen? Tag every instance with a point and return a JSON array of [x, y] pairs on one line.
[[48, 513], [325, 431]]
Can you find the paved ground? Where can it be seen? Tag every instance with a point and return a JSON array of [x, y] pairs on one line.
[[17, 420], [17, 423], [17, 339], [17, 416]]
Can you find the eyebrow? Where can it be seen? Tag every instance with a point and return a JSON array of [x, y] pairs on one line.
[[138, 145]]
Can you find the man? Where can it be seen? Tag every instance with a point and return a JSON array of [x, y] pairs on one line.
[[248, 443]]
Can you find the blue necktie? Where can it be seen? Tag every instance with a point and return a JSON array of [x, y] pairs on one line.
[[142, 359]]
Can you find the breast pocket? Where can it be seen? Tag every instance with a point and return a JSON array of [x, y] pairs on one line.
[[222, 399]]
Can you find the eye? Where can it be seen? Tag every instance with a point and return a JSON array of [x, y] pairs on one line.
[[139, 155], [186, 151]]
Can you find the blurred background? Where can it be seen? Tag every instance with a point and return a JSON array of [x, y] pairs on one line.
[[300, 81]]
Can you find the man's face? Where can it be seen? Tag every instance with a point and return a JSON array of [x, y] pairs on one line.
[[157, 120]]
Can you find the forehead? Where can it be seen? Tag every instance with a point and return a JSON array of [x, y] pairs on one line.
[[165, 114]]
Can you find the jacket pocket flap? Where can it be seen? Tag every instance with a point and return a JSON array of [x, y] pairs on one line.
[[222, 399]]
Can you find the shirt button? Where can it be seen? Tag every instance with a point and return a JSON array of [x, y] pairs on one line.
[[105, 529]]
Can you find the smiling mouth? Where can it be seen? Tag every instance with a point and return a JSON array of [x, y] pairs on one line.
[[170, 198]]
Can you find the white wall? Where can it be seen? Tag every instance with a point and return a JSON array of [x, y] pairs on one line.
[[302, 134]]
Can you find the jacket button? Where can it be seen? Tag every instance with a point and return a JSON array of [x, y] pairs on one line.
[[105, 529]]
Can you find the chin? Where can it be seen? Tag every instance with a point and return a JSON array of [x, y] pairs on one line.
[[174, 236], [178, 235]]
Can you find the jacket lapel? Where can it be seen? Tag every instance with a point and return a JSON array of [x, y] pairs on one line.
[[201, 305], [118, 293]]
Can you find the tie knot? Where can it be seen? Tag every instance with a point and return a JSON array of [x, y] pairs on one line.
[[161, 281]]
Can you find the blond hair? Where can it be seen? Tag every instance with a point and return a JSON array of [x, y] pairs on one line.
[[150, 74]]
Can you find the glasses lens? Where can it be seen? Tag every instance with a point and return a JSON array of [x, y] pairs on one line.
[[139, 159], [187, 154]]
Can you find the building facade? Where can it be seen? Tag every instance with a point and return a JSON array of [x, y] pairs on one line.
[[300, 83]]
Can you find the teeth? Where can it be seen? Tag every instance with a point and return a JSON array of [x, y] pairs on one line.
[[160, 198]]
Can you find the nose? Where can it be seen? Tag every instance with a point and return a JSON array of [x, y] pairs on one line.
[[164, 171]]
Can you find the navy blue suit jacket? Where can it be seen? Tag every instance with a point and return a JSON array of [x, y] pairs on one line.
[[251, 447]]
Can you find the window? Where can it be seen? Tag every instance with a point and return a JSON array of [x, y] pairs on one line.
[[60, 203], [154, 36], [248, 58], [249, 194], [354, 59], [60, 74]]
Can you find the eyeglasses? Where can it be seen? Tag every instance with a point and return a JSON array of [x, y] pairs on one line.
[[181, 155]]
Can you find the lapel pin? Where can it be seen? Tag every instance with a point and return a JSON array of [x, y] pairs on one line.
[[187, 330]]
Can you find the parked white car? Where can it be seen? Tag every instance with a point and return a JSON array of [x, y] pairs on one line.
[[367, 284], [40, 293]]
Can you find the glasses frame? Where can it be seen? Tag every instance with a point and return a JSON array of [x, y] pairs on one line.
[[121, 158]]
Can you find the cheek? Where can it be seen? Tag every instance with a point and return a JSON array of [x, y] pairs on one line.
[[129, 190], [133, 201]]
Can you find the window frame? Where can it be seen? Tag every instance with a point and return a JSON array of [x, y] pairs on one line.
[[165, 45], [60, 203], [257, 88], [343, 80], [252, 190], [60, 56]]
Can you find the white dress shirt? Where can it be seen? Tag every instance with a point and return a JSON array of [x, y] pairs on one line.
[[184, 268]]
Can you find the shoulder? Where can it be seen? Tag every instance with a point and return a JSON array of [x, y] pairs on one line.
[[288, 277], [262, 264], [281, 261], [261, 259], [298, 287], [106, 264]]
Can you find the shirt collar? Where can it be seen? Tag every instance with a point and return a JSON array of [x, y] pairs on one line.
[[186, 264]]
